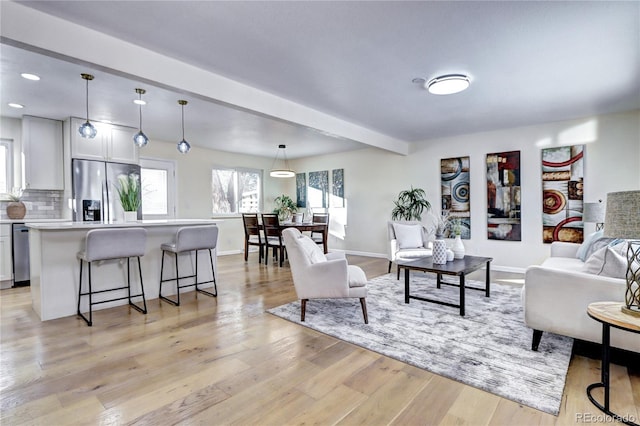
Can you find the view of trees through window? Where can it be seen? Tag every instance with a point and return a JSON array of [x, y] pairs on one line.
[[236, 190]]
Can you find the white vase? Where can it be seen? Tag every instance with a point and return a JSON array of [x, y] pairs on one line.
[[439, 252], [449, 255], [130, 216], [458, 248]]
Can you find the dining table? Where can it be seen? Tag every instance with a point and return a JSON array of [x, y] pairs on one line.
[[310, 226]]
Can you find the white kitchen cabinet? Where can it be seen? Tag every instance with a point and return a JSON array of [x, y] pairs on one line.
[[5, 253], [112, 143], [42, 153]]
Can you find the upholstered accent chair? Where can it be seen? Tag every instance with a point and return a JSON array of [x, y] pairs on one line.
[[319, 276], [408, 240]]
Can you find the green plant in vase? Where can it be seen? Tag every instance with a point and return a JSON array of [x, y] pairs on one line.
[[129, 192], [285, 207]]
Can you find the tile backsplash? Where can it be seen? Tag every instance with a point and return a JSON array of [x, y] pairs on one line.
[[40, 204]]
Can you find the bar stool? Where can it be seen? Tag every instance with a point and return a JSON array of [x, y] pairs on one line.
[[109, 244], [190, 238]]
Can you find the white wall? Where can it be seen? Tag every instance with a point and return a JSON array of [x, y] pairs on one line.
[[373, 178]]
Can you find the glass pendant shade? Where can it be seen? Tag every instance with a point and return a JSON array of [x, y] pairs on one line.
[[87, 130], [183, 145], [140, 139], [285, 172]]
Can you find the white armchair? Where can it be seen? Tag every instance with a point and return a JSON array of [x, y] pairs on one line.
[[408, 240], [319, 276]]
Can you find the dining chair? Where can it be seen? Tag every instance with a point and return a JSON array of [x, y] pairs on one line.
[[318, 236], [252, 235], [273, 237]]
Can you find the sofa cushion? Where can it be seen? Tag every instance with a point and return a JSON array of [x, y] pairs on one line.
[[357, 278], [597, 244], [408, 236], [607, 261], [564, 263], [584, 247], [413, 253]]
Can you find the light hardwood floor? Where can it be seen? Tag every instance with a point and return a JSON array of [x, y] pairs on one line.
[[226, 361]]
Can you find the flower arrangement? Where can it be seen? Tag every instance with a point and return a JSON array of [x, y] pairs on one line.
[[129, 192]]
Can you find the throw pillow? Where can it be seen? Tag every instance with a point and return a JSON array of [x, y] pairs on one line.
[[584, 247], [408, 236], [597, 244], [606, 261]]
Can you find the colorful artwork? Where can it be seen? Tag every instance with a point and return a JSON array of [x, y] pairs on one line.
[[301, 190], [503, 196], [318, 191], [337, 188], [562, 192], [454, 178]]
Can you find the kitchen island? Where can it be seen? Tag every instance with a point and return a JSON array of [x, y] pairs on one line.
[[55, 268]]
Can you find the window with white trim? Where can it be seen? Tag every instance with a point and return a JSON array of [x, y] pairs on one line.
[[6, 165], [236, 190]]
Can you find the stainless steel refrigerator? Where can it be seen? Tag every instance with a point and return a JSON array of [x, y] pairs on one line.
[[95, 194]]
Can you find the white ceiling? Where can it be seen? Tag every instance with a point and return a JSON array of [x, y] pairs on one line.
[[529, 62]]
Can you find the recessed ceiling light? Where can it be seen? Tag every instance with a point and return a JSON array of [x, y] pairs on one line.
[[30, 76], [447, 84], [15, 105]]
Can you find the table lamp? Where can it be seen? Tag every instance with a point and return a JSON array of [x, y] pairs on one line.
[[622, 220], [594, 213]]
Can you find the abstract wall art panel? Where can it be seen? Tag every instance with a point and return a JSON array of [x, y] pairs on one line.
[[301, 190], [318, 192], [337, 188], [454, 182], [562, 193], [503, 196]]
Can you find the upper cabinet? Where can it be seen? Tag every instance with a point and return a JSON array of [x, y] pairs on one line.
[[42, 153], [113, 143]]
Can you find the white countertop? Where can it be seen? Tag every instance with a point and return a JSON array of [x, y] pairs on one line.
[[69, 225], [27, 220]]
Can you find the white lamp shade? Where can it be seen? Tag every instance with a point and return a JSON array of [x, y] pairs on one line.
[[593, 212], [622, 219]]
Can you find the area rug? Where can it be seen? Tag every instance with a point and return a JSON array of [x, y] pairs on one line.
[[488, 348]]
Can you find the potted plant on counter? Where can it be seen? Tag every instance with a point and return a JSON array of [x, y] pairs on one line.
[[16, 208], [285, 207], [129, 194]]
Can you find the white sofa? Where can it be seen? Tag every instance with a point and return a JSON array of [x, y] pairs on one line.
[[556, 295]]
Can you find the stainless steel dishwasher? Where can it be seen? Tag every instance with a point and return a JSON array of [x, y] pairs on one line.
[[20, 251]]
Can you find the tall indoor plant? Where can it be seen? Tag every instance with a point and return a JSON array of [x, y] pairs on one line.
[[129, 194], [410, 204]]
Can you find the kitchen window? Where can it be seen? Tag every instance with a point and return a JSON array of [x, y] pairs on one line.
[[157, 179], [6, 164], [236, 190]]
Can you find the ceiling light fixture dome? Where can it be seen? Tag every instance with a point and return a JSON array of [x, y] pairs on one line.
[[285, 172], [15, 105], [87, 130], [29, 76], [140, 139], [183, 145], [447, 84]]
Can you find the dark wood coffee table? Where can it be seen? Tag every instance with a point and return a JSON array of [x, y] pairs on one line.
[[459, 267]]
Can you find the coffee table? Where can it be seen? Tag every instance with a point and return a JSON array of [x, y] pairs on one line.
[[459, 267]]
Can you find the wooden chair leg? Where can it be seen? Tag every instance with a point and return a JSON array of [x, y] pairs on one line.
[[246, 250], [363, 303], [389, 271], [303, 309]]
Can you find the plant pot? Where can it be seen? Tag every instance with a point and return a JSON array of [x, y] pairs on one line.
[[16, 210], [439, 252], [130, 216], [458, 248]]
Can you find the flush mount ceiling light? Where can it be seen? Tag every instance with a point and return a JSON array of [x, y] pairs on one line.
[[30, 76], [285, 172], [87, 130], [183, 145], [140, 139], [447, 84]]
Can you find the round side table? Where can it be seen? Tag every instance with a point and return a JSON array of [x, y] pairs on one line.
[[610, 315]]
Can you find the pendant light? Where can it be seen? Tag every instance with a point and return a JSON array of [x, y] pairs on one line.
[[183, 145], [140, 139], [286, 172], [87, 130]]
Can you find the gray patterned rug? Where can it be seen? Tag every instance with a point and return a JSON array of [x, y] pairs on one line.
[[489, 348]]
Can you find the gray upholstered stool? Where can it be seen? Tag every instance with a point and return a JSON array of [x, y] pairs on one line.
[[190, 238], [109, 244]]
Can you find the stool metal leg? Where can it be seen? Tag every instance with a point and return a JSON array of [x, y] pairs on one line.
[[166, 299], [136, 307], [80, 294], [213, 274]]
